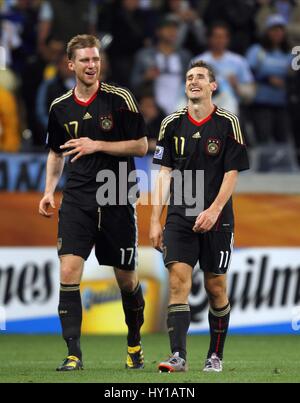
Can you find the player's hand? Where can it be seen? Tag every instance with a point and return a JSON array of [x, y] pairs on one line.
[[47, 202], [156, 236], [80, 147], [206, 220]]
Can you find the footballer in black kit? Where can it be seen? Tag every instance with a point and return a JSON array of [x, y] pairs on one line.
[[98, 126], [214, 146], [110, 115], [199, 138]]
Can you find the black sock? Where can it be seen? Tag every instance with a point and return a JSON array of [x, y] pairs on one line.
[[219, 323], [133, 306], [179, 319], [70, 314]]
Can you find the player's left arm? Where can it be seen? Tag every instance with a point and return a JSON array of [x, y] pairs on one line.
[[208, 218], [85, 145], [235, 161]]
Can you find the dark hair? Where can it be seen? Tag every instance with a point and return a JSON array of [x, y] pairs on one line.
[[267, 44], [81, 42], [216, 25], [204, 65]]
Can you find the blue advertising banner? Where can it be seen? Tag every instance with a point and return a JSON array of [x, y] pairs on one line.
[[26, 172]]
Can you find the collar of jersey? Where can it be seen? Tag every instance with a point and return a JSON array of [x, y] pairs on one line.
[[88, 102], [203, 121]]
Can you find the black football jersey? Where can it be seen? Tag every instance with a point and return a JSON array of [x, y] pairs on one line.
[[214, 146], [111, 114]]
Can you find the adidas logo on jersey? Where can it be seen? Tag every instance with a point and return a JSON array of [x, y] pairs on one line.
[[87, 116], [197, 135]]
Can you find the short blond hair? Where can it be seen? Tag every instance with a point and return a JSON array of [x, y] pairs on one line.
[[82, 42]]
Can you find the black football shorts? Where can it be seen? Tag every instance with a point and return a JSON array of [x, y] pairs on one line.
[[213, 250], [111, 229]]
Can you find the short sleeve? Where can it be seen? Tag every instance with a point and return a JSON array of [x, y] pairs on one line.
[[245, 74], [163, 151], [132, 120], [55, 136], [236, 156]]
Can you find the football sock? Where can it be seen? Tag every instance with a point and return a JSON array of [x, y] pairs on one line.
[[70, 314], [133, 306], [178, 322], [218, 322]]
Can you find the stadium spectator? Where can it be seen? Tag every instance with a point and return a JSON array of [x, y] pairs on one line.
[[191, 33], [288, 9], [63, 19], [236, 83], [153, 117], [38, 68], [9, 124], [124, 20], [51, 89], [19, 32], [294, 108], [239, 16], [162, 67], [270, 61]]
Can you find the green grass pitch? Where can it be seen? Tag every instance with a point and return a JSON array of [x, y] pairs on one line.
[[252, 359]]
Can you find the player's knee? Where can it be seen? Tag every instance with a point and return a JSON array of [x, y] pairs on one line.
[[215, 293], [179, 288], [70, 275], [128, 285]]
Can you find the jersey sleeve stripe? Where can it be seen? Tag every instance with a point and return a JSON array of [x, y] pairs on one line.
[[124, 94], [235, 125], [58, 100], [168, 120]]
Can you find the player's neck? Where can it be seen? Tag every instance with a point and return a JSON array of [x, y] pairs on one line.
[[83, 92], [200, 110]]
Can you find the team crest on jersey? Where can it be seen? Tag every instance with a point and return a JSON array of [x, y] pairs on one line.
[[213, 146], [106, 123]]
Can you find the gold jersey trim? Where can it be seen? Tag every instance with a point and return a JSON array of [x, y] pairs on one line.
[[58, 100], [235, 124], [168, 120], [122, 93]]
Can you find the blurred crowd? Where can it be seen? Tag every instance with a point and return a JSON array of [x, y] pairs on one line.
[[147, 47]]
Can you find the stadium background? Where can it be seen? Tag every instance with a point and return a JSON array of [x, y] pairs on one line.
[[265, 273]]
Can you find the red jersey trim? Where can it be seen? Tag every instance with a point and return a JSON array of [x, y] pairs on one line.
[[87, 103], [203, 121]]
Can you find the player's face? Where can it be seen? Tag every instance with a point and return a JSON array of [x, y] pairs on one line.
[[86, 65], [198, 85]]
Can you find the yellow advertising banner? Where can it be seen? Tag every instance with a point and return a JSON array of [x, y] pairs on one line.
[[101, 297], [102, 307]]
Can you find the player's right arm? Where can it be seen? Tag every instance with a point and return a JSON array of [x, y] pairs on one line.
[[55, 163], [55, 166], [161, 197]]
